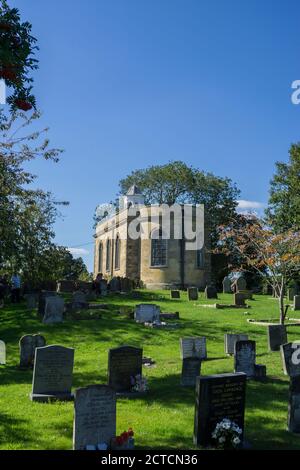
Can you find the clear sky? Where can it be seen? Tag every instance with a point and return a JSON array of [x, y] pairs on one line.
[[128, 83]]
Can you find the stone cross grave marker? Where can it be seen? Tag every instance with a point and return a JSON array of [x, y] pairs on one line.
[[124, 364], [245, 357]]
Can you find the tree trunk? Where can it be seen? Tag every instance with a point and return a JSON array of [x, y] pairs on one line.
[[281, 302]]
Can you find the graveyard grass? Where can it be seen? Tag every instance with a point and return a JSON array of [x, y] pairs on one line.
[[163, 419]]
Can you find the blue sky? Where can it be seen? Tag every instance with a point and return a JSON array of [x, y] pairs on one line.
[[128, 83]]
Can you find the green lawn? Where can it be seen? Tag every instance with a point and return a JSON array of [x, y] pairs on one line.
[[164, 418]]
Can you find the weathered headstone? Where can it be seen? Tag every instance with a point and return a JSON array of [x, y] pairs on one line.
[[290, 354], [296, 302], [230, 339], [28, 344], [227, 285], [79, 300], [94, 416], [54, 310], [124, 364], [42, 301], [210, 292], [294, 405], [103, 287], [115, 284], [277, 336], [239, 299], [192, 293], [52, 374], [146, 313], [126, 284], [193, 347], [31, 300], [218, 397], [291, 292], [175, 294], [241, 283], [244, 357], [191, 367], [65, 286], [2, 353]]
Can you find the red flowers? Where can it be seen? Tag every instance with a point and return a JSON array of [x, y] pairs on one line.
[[123, 438]]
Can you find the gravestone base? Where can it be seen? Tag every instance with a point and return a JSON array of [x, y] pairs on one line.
[[51, 398]]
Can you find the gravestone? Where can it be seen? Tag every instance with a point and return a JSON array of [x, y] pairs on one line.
[[218, 397], [94, 416], [31, 301], [227, 285], [191, 367], [296, 302], [210, 292], [42, 301], [230, 339], [192, 293], [241, 283], [52, 374], [65, 286], [239, 299], [79, 300], [124, 363], [126, 284], [244, 357], [2, 353], [146, 313], [193, 347], [277, 336], [115, 284], [291, 292], [294, 405], [175, 294], [28, 344], [103, 287], [290, 355], [54, 310]]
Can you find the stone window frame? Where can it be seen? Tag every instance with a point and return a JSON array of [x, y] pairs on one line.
[[108, 255], [100, 257], [158, 266], [117, 260]]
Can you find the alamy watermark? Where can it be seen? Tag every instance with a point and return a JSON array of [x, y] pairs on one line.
[[295, 97], [296, 353], [2, 92]]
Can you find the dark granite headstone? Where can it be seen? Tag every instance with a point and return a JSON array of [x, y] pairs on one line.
[[241, 283], [239, 299], [191, 367], [28, 344], [124, 364], [244, 357], [52, 374], [277, 336], [175, 294], [115, 284], [42, 301], [192, 293], [218, 397], [54, 310], [294, 405], [230, 339], [296, 302], [210, 292], [94, 416], [290, 354]]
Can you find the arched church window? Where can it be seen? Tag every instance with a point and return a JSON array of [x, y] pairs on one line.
[[159, 246], [108, 254], [100, 257], [117, 252]]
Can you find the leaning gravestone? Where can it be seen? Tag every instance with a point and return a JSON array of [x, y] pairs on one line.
[[193, 347], [218, 397], [94, 416], [192, 293], [146, 313], [124, 364], [54, 310], [297, 302], [294, 405], [175, 294], [28, 345], [42, 301], [277, 336], [227, 285], [210, 292], [244, 357], [230, 339], [290, 354], [239, 299], [241, 283], [52, 374], [191, 367], [2, 353]]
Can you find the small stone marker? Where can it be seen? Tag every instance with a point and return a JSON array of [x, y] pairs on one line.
[[227, 285], [94, 416], [124, 363], [147, 313], [218, 397], [294, 405], [175, 294], [54, 310], [192, 293], [277, 336], [193, 347], [191, 367], [2, 353], [210, 292], [28, 344], [230, 339], [239, 299], [290, 354], [52, 374], [244, 357], [296, 302]]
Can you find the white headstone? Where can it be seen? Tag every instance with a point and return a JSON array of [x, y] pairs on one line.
[[193, 347], [146, 313]]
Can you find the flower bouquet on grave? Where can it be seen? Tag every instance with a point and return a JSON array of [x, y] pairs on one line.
[[139, 383], [227, 435], [123, 442]]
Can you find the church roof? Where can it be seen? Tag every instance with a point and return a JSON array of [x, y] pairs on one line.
[[133, 190]]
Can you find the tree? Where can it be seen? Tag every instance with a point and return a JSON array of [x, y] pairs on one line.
[[175, 182], [283, 212], [276, 257], [17, 59]]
